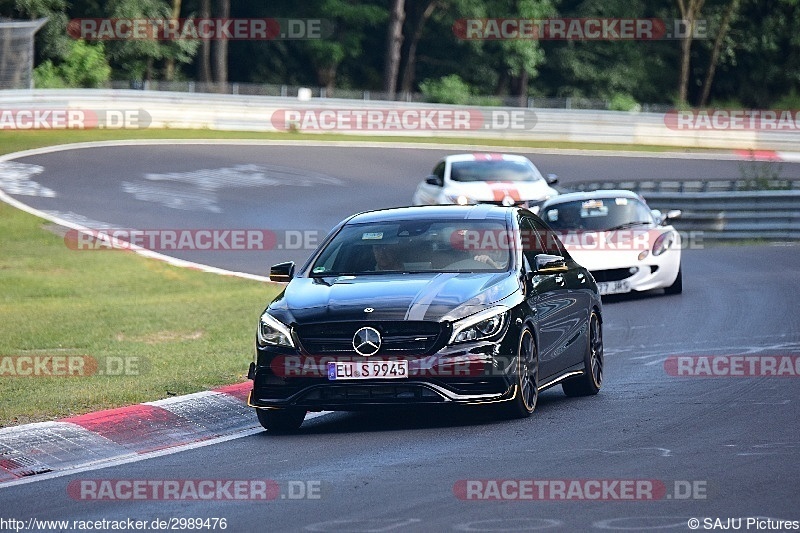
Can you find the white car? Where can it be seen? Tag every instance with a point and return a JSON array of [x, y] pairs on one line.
[[501, 179], [619, 239]]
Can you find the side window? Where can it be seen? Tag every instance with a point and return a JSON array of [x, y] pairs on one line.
[[531, 243], [438, 171], [550, 242]]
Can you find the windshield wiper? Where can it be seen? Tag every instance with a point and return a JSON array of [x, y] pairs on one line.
[[628, 225]]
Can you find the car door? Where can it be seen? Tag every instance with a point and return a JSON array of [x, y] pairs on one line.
[[428, 193], [548, 296], [574, 298]]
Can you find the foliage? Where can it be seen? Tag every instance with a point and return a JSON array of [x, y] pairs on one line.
[[761, 175], [624, 102], [84, 66], [447, 90], [140, 58]]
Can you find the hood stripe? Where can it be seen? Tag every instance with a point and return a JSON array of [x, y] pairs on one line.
[[423, 299]]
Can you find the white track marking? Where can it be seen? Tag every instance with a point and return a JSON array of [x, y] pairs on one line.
[[15, 178]]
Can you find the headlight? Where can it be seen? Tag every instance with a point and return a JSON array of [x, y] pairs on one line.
[[273, 332], [479, 326], [460, 199], [663, 243]]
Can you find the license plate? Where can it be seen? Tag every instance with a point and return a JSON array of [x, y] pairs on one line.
[[614, 287], [368, 370]]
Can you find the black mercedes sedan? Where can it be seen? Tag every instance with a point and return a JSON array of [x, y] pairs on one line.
[[433, 305]]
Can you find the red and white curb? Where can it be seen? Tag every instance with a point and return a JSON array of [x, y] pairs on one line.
[[769, 155], [125, 434]]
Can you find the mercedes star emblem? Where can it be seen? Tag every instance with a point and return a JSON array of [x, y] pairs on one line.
[[367, 341]]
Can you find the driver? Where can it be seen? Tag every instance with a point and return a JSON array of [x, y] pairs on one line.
[[387, 257]]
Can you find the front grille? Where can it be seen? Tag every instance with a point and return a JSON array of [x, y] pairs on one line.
[[397, 338], [613, 274], [371, 393]]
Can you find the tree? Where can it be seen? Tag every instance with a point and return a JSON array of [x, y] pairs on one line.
[[221, 46], [205, 45], [169, 73], [690, 12], [351, 23], [730, 11], [423, 12], [394, 44], [84, 66], [141, 58], [52, 41]]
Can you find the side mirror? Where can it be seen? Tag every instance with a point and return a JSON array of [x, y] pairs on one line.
[[546, 263], [672, 215], [433, 180], [282, 272], [552, 179]]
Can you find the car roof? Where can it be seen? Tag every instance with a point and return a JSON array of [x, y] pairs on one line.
[[590, 195], [434, 212], [485, 157]]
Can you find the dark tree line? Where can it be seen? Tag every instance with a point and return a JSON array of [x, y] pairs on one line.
[[749, 54]]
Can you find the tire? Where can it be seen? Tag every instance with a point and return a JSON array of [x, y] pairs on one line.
[[526, 376], [590, 382], [677, 286], [281, 420]]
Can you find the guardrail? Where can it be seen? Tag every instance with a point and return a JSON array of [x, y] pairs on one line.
[[255, 113], [269, 89], [722, 210]]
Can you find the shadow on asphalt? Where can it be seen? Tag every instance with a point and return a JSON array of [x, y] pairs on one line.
[[411, 418]]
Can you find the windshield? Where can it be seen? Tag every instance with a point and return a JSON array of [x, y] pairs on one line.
[[415, 246], [598, 214], [500, 170]]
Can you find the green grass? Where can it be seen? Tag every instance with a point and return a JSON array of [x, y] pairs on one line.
[[12, 141], [189, 330]]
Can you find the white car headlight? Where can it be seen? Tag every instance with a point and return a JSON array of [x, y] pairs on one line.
[[273, 332], [663, 243], [479, 326], [460, 199]]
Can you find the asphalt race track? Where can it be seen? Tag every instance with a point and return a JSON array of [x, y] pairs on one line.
[[722, 447]]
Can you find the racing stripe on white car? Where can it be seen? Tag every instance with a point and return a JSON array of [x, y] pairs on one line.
[[503, 189]]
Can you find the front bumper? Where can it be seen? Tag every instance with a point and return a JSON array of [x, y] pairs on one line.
[[476, 376], [354, 396], [649, 274]]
